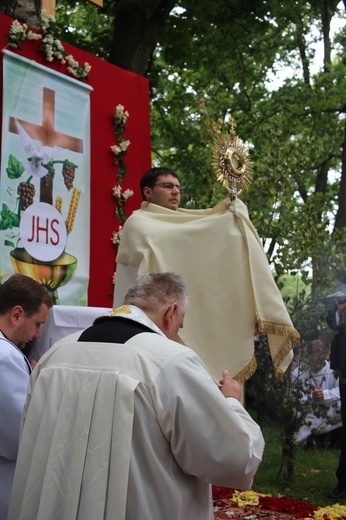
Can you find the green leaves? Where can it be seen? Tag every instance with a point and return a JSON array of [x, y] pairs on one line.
[[8, 219], [15, 168], [257, 62]]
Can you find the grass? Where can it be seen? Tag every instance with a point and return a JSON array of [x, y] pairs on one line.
[[314, 471]]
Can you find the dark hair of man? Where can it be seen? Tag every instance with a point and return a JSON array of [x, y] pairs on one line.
[[149, 177], [154, 292], [24, 291]]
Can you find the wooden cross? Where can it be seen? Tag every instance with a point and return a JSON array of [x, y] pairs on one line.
[[49, 6], [48, 136]]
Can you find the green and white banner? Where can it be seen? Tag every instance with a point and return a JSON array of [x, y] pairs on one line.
[[45, 178]]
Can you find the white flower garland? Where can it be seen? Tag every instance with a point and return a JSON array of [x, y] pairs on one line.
[[51, 46], [120, 150]]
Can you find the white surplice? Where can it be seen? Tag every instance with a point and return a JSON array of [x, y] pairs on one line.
[[324, 415], [127, 432], [14, 379]]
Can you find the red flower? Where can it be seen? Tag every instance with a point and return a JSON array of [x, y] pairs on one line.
[[292, 506], [221, 492], [298, 508]]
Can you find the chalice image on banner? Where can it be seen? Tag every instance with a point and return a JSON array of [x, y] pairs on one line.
[[43, 234], [51, 275]]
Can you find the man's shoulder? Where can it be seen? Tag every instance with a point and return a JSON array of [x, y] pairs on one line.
[[132, 222], [302, 371], [136, 213], [60, 346], [159, 347], [328, 368], [143, 357], [7, 346], [9, 353], [70, 338]]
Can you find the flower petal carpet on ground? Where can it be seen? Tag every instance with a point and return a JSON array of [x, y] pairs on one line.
[[250, 505]]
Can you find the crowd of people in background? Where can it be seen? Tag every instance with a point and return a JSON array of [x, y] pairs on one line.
[[320, 392], [319, 378]]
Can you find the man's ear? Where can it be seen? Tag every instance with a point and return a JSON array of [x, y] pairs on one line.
[[16, 313], [169, 314], [147, 193]]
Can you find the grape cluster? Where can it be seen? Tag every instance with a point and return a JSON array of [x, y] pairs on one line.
[[68, 173], [26, 192]]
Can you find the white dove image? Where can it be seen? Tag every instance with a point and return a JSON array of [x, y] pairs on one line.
[[35, 158]]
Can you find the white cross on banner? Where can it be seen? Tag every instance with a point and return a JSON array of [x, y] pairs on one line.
[[45, 178]]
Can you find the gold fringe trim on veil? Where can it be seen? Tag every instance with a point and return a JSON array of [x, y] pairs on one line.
[[279, 330], [246, 372], [290, 339]]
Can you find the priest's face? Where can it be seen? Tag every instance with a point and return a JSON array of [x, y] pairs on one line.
[[27, 328], [165, 192]]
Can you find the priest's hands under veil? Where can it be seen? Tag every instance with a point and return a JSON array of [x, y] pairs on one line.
[[229, 386]]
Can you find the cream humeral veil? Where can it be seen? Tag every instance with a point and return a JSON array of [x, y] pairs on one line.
[[219, 254]]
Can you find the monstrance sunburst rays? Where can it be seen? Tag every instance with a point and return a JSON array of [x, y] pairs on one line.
[[231, 162]]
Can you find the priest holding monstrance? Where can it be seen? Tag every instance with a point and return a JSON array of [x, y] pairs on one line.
[[219, 254]]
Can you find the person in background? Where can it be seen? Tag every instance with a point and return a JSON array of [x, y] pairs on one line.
[[336, 320], [123, 422], [320, 391], [24, 307]]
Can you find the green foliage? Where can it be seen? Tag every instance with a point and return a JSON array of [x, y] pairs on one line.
[[86, 26], [8, 219], [224, 57], [15, 168], [314, 470], [295, 133], [283, 403]]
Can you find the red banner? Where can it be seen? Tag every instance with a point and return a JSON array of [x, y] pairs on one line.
[[111, 86]]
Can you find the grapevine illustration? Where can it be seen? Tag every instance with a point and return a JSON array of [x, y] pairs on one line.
[[40, 164], [26, 192]]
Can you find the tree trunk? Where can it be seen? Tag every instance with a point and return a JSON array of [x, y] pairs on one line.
[[288, 457], [328, 8], [26, 11], [301, 44], [340, 220], [135, 33]]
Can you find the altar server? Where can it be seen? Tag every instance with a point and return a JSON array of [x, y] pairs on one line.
[[24, 307]]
